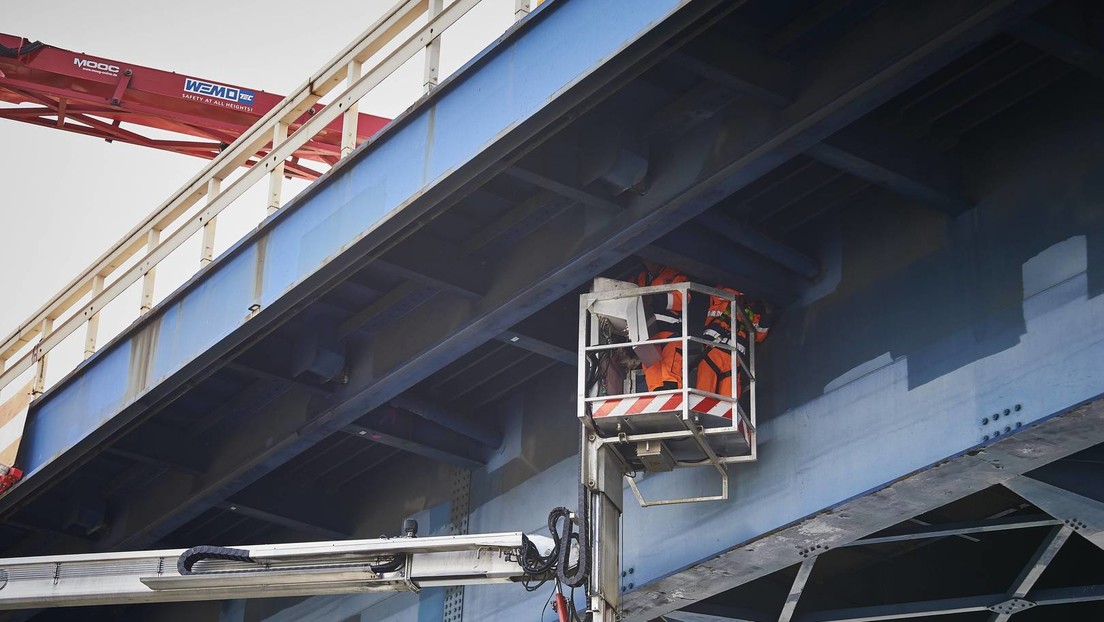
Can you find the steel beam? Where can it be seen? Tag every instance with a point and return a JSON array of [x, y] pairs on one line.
[[903, 611], [159, 446], [950, 606], [818, 23], [753, 240], [803, 572], [958, 529], [517, 223], [1066, 595], [889, 159], [563, 189], [300, 502], [402, 298], [740, 66], [1071, 48], [691, 616], [281, 520], [708, 257], [437, 263], [1085, 515], [689, 110], [440, 414], [262, 372], [536, 346], [395, 428], [879, 155], [1039, 561], [831, 194], [1034, 568]]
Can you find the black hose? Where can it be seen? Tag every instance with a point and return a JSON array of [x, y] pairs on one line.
[[579, 577], [188, 559], [398, 562], [559, 560], [196, 554]]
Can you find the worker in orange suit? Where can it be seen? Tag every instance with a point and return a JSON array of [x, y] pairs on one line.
[[715, 367], [666, 309]]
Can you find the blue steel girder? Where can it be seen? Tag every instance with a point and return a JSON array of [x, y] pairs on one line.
[[296, 251], [368, 204]]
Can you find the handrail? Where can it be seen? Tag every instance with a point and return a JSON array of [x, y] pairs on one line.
[[269, 142]]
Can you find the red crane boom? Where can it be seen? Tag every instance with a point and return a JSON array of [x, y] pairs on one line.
[[53, 87]]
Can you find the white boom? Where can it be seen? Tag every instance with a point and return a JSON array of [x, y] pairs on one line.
[[401, 564]]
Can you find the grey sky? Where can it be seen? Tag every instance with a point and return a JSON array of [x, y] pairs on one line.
[[65, 198]]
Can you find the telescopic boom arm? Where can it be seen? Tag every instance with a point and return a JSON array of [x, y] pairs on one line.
[[404, 564]]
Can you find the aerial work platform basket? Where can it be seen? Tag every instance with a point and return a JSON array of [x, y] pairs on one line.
[[684, 426]]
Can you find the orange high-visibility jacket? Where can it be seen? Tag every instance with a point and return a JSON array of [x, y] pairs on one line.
[[718, 323], [665, 307]]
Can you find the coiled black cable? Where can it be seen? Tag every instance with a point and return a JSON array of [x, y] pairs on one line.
[[398, 562], [559, 560], [189, 558], [579, 576], [196, 554]]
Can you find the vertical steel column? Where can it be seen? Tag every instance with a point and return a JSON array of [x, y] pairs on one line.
[[433, 50], [351, 116], [601, 474], [93, 327], [459, 511], [276, 175], [521, 8], [153, 237], [602, 471], [207, 248], [39, 384]]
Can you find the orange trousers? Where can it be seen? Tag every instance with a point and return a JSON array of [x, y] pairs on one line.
[[669, 367], [715, 373]]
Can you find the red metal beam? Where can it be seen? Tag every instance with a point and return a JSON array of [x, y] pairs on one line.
[[100, 94]]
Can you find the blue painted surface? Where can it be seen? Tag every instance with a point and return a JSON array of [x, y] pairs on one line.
[[928, 326], [217, 305], [505, 87], [887, 369]]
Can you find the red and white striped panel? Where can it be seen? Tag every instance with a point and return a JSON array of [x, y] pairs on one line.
[[661, 403]]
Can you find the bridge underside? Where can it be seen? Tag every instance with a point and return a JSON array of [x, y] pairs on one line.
[[915, 187]]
